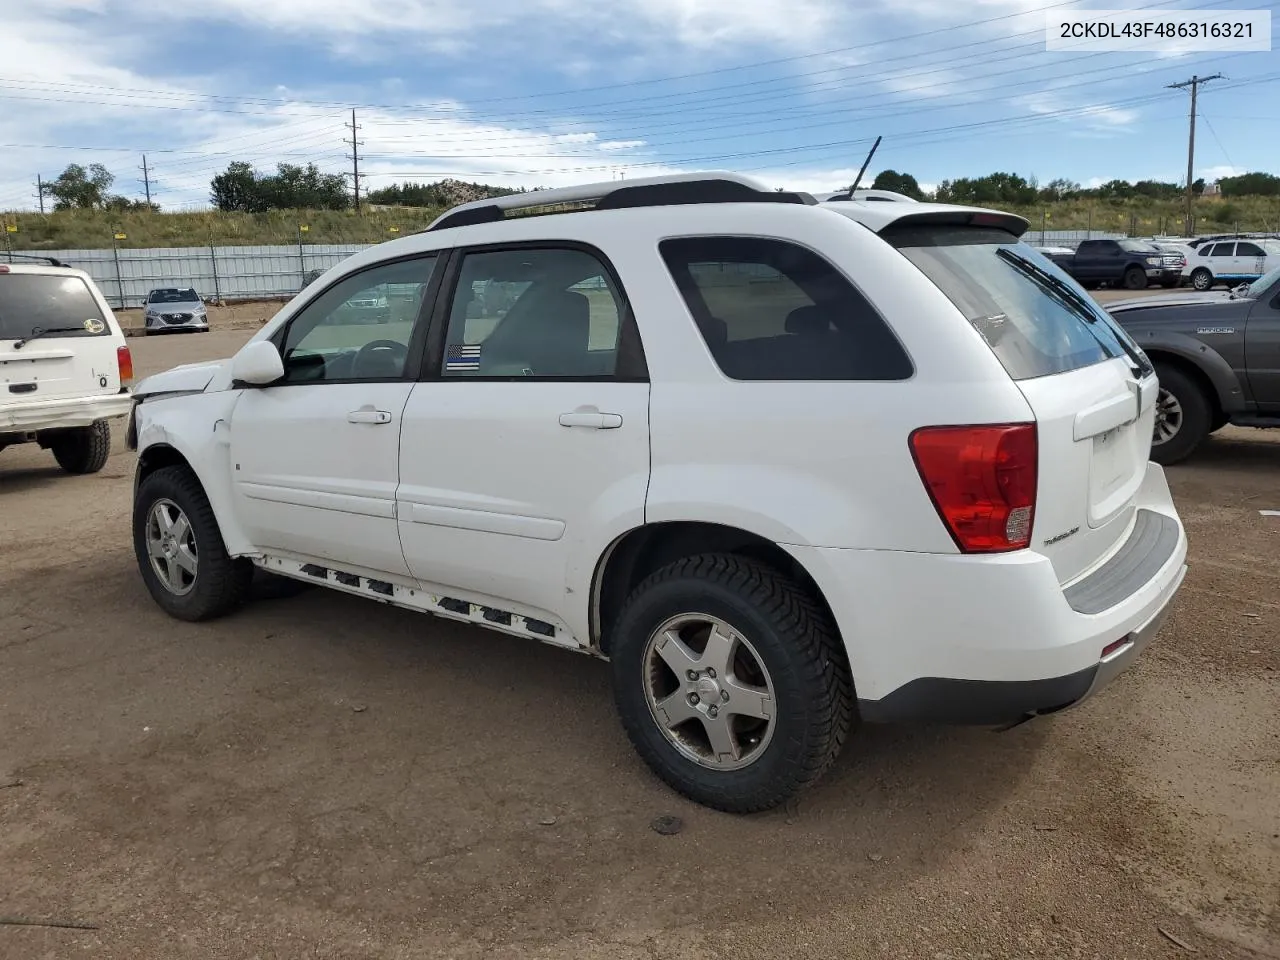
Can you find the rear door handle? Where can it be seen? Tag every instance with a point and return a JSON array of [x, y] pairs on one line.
[[596, 421], [368, 415]]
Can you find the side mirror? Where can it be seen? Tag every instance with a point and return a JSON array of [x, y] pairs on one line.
[[257, 364]]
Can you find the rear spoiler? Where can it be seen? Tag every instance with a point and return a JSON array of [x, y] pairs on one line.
[[1008, 222]]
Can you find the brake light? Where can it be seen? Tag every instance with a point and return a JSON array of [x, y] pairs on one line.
[[982, 480], [124, 360]]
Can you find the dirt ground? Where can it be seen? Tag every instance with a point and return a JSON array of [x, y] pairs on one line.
[[323, 777]]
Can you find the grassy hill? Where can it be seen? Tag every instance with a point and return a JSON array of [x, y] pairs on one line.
[[90, 229]]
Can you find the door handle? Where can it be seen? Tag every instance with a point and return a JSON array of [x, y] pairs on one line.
[[596, 421], [368, 415]]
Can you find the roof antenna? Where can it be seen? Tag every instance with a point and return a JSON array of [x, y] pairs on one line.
[[858, 179]]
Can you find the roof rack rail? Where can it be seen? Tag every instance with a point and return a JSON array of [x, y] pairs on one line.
[[52, 261], [681, 188]]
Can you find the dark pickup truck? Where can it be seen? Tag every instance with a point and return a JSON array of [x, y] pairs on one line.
[[1132, 264], [1217, 356]]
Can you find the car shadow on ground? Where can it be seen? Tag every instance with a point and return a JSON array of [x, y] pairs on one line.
[[1240, 447]]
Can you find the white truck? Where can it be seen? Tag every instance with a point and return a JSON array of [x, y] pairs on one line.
[[65, 369], [786, 465]]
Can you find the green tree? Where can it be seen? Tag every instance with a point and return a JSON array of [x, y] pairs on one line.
[[1060, 189], [291, 187], [1250, 185], [80, 188], [903, 183], [237, 189]]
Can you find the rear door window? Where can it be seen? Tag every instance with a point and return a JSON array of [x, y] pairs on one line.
[[55, 303], [773, 310], [1033, 330]]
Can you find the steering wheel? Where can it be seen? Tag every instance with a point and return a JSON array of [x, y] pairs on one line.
[[398, 351]]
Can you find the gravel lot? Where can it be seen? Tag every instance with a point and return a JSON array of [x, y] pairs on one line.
[[321, 776]]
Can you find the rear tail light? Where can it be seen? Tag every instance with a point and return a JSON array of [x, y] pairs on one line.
[[124, 360], [982, 479]]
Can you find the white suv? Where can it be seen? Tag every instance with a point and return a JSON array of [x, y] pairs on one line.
[[65, 369], [784, 464]]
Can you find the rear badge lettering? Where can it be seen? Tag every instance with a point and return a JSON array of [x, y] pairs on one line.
[[1062, 536], [1214, 330]]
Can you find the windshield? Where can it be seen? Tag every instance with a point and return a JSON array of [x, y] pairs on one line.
[[1139, 246], [173, 296], [1033, 330], [1261, 285], [30, 300]]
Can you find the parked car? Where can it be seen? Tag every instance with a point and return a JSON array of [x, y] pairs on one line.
[[1218, 358], [174, 310], [1231, 262], [785, 465], [1132, 264], [65, 369]]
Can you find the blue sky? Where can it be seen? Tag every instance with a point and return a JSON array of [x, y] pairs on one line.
[[550, 92]]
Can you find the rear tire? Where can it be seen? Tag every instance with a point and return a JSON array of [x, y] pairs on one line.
[[1135, 278], [770, 721], [83, 449], [179, 549], [1201, 279], [1183, 416]]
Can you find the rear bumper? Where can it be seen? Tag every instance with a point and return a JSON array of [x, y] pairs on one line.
[[990, 640], [63, 412]]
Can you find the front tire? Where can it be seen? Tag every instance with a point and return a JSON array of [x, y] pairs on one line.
[[1201, 279], [83, 450], [731, 682], [1183, 416], [179, 548], [1135, 278]]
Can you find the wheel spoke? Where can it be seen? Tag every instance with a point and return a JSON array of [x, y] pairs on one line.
[[719, 651], [723, 743], [676, 709], [164, 519], [185, 559], [181, 527], [747, 701], [676, 654], [155, 549], [172, 573]]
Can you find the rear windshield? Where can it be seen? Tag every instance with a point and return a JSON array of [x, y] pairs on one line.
[[40, 300], [1033, 330]]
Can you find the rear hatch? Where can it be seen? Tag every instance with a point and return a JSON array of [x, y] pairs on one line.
[[1092, 390], [56, 338]]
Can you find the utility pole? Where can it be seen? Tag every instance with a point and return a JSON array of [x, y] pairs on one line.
[[40, 193], [146, 180], [355, 158], [1194, 84]]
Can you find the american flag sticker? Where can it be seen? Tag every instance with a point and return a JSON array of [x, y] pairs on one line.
[[462, 356]]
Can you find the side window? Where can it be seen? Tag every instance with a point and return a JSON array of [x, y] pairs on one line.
[[772, 310], [533, 312], [360, 328], [1249, 250], [1223, 250]]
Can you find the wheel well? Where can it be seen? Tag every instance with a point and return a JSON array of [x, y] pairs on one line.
[[1196, 375], [153, 458], [640, 552]]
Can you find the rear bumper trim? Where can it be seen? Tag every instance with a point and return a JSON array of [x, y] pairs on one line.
[[59, 413], [1151, 543]]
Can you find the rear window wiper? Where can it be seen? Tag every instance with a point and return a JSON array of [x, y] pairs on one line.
[[1074, 301], [38, 332]]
